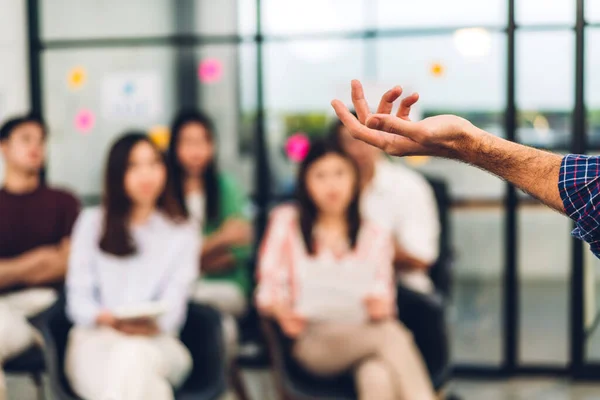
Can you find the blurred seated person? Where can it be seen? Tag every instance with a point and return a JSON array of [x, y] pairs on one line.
[[135, 250], [35, 225], [401, 200], [315, 250], [218, 206]]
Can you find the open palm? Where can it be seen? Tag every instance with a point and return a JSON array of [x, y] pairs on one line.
[[397, 134]]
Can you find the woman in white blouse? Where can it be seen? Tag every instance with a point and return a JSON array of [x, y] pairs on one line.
[[134, 251], [326, 277]]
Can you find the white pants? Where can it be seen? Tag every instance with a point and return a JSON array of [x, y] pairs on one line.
[[16, 334], [104, 364], [229, 299], [417, 281]]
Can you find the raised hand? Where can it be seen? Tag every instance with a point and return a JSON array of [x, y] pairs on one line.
[[396, 134]]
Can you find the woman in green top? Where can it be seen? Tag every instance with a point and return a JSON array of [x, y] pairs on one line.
[[219, 206]]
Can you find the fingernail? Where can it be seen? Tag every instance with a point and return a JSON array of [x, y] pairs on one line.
[[373, 122]]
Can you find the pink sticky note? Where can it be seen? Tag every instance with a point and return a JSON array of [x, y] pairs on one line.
[[297, 146], [210, 70], [84, 121]]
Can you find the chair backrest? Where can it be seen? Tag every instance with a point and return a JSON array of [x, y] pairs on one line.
[[441, 271]]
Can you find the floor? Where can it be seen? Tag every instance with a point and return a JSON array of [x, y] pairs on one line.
[[261, 388]]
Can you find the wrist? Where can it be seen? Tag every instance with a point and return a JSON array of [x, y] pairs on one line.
[[468, 141]]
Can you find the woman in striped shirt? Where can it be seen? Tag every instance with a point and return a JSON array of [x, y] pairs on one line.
[[326, 277]]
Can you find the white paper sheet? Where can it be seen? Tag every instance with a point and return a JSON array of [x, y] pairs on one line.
[[334, 293]]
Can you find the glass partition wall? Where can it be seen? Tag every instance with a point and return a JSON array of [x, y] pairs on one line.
[[524, 294]]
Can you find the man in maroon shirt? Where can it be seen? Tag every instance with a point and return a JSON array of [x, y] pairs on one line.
[[35, 224]]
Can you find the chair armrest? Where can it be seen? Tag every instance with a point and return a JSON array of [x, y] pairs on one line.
[[54, 326], [273, 340], [408, 299]]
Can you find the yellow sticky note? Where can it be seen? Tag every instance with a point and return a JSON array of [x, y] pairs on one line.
[[77, 78], [160, 136], [416, 161], [437, 69]]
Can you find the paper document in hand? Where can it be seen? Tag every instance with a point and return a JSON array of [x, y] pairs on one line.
[[334, 292]]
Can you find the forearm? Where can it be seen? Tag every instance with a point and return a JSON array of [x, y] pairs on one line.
[[212, 245], [534, 171], [37, 267], [12, 272], [217, 262], [49, 273], [53, 269], [408, 263]]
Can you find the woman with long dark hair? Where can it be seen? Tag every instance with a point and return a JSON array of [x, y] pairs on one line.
[[218, 205], [134, 252], [326, 276]]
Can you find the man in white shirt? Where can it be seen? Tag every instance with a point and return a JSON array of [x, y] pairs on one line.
[[401, 200]]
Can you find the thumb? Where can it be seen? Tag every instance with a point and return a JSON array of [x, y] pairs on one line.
[[393, 124]]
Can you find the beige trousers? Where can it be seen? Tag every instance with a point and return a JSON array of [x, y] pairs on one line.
[[387, 364], [16, 334], [104, 364]]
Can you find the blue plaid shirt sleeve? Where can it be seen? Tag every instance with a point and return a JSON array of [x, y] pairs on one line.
[[579, 186]]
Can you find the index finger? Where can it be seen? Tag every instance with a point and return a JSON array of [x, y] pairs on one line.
[[360, 103], [358, 130]]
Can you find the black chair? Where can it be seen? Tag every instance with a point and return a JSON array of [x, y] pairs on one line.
[[423, 315], [202, 335], [441, 272], [31, 363]]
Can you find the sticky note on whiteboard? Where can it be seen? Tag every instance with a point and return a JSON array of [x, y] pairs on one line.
[[297, 147], [210, 70], [77, 78], [85, 121]]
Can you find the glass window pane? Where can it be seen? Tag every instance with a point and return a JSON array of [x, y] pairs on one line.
[[220, 98], [312, 16], [592, 85], [436, 13], [532, 12], [476, 316], [464, 182], [545, 105], [592, 11], [75, 19], [301, 79], [461, 73], [222, 17], [123, 89], [449, 80], [544, 271]]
